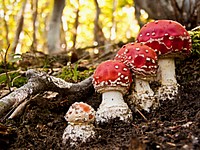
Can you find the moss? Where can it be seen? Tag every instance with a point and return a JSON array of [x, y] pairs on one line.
[[195, 36], [74, 73], [16, 79]]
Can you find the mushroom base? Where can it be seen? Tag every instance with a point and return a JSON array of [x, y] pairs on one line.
[[107, 114], [167, 92], [112, 107], [144, 101], [77, 134]]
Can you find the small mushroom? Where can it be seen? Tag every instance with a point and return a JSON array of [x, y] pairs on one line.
[[142, 61], [80, 129], [170, 40], [112, 79]]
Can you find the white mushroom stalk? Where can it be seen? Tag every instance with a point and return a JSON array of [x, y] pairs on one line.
[[112, 79], [170, 40], [113, 106], [80, 129], [144, 96], [142, 61], [167, 76]]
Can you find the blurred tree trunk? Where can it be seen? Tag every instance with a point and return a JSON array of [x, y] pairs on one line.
[[62, 38], [113, 28], [20, 24], [53, 37], [184, 11], [5, 22], [34, 14], [99, 37], [76, 23]]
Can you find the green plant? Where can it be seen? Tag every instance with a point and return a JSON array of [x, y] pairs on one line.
[[71, 73], [195, 36]]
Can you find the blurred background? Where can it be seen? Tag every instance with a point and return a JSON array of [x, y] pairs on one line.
[[76, 26]]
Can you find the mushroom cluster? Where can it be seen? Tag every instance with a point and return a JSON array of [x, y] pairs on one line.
[[80, 129], [112, 79], [153, 53], [142, 61], [170, 40]]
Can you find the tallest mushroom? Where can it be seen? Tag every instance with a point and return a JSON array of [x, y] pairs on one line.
[[170, 40]]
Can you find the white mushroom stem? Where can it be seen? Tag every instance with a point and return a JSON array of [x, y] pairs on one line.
[[167, 76], [142, 87], [144, 96], [113, 106], [166, 71], [112, 98]]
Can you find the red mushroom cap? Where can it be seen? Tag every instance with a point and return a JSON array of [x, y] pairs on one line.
[[140, 58], [168, 38], [80, 112], [112, 75]]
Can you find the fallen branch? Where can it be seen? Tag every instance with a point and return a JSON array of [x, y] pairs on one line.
[[41, 81]]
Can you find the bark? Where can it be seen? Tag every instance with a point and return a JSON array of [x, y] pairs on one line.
[[62, 38], [20, 24], [35, 12], [53, 37], [184, 11], [76, 23], [5, 22], [39, 82], [114, 26], [98, 33]]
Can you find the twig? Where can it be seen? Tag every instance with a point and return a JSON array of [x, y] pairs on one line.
[[39, 82], [5, 68], [141, 114]]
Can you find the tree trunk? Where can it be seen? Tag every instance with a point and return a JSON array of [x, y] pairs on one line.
[[113, 28], [5, 22], [184, 11], [20, 24], [53, 37], [98, 33], [76, 23], [34, 14]]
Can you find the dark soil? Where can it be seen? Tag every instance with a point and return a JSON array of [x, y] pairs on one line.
[[174, 125]]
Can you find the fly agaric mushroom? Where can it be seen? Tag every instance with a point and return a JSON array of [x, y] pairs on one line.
[[80, 129], [112, 79], [170, 40], [142, 61]]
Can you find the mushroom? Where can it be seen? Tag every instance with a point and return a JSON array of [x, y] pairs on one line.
[[112, 79], [142, 61], [170, 40], [80, 129]]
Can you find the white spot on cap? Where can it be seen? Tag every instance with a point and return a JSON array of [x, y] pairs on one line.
[[126, 78], [156, 22], [147, 50], [137, 48], [116, 67], [125, 69], [153, 33], [141, 55], [148, 34], [129, 57], [148, 59]]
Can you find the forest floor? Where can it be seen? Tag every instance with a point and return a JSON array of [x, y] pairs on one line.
[[174, 125]]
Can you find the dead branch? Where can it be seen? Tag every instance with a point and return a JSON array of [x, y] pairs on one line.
[[41, 81]]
